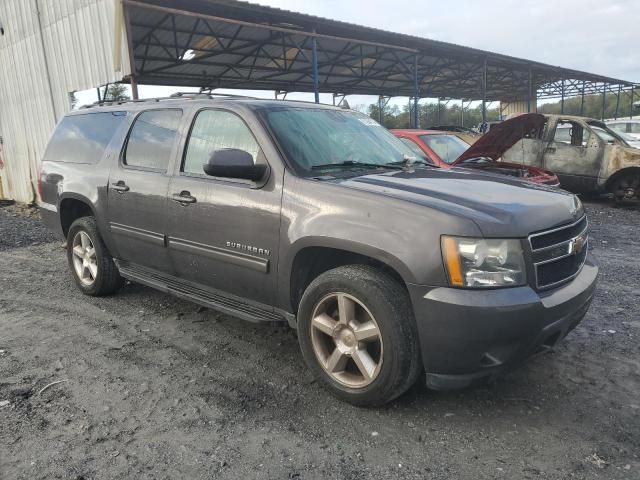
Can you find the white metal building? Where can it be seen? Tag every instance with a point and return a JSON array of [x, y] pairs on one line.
[[49, 48]]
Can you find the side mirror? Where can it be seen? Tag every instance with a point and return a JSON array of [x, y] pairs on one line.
[[234, 163]]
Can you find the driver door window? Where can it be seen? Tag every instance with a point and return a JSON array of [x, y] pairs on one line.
[[216, 130], [571, 133]]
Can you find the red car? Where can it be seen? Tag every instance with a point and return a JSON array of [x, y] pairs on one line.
[[446, 150]]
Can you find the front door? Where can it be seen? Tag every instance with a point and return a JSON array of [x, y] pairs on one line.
[[137, 191], [574, 154], [223, 233]]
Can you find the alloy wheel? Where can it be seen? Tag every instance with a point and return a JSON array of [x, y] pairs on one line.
[[85, 261], [346, 340]]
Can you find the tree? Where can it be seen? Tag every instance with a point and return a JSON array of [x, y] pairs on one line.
[[431, 114], [117, 92], [592, 106]]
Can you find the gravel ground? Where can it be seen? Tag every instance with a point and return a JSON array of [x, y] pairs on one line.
[[154, 387]]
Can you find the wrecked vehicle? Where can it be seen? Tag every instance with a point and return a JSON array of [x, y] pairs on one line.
[[585, 154], [272, 211], [446, 150]]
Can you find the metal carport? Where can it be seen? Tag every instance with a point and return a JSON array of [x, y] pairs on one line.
[[234, 44]]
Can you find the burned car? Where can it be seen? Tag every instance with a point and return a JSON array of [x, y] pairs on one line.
[[585, 154], [447, 150]]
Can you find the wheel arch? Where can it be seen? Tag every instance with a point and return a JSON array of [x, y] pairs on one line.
[[621, 173], [71, 207], [312, 258]]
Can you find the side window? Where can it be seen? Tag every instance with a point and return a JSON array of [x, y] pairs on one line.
[[634, 127], [151, 139], [83, 138], [571, 133], [216, 130]]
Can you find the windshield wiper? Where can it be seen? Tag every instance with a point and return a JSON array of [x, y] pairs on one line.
[[408, 161], [352, 164]]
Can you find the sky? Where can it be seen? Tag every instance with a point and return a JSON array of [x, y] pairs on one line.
[[593, 36]]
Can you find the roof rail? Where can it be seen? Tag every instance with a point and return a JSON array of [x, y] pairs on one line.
[[173, 96]]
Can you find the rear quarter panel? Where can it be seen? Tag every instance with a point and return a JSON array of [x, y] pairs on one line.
[[86, 182]]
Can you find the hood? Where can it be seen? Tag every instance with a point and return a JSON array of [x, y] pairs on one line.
[[499, 206], [503, 136]]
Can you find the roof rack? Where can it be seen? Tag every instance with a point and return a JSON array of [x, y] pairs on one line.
[[203, 94]]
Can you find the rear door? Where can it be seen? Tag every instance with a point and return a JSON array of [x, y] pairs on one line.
[[224, 233], [137, 190], [574, 154]]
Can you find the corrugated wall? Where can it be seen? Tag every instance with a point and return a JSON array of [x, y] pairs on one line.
[[70, 49], [519, 106]]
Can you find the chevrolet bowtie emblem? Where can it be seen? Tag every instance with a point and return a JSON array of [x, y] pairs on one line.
[[577, 245]]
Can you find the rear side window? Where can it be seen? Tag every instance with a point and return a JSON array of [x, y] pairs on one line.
[[151, 139], [83, 138]]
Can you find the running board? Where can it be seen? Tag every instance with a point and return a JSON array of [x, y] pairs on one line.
[[209, 298]]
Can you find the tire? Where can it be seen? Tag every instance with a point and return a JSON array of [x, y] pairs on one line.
[[366, 294], [100, 276], [626, 187]]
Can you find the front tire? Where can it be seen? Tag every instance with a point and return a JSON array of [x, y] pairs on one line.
[[358, 335], [91, 264], [626, 188]]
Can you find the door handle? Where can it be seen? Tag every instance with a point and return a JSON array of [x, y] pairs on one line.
[[550, 150], [183, 197], [120, 187]]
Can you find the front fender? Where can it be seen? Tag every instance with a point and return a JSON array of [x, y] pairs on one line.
[[403, 235]]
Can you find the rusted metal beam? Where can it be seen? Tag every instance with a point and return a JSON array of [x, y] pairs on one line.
[[314, 69], [484, 92], [416, 93], [132, 60]]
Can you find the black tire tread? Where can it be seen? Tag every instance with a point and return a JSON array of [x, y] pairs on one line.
[[380, 285], [108, 280]]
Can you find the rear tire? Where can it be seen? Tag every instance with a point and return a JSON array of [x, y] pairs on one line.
[[90, 262], [358, 335]]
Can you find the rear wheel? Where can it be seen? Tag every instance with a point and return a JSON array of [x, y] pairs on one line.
[[626, 187], [358, 335], [91, 264]]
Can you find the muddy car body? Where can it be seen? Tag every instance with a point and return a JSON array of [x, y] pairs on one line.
[[286, 211], [585, 154]]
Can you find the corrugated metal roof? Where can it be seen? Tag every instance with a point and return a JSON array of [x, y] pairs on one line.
[[70, 49], [239, 44]]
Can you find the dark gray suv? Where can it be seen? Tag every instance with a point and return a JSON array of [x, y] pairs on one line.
[[283, 211]]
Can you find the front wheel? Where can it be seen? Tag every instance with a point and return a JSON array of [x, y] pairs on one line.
[[91, 265], [358, 335], [626, 187]]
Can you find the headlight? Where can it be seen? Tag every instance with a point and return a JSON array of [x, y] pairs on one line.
[[483, 263]]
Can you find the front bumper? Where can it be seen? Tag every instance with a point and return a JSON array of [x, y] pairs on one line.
[[469, 335]]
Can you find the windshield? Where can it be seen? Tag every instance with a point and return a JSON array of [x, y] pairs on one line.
[[605, 133], [314, 138], [447, 147], [626, 137]]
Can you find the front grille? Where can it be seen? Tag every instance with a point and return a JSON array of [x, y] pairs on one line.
[[555, 236], [559, 254]]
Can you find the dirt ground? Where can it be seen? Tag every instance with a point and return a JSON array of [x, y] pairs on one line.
[[154, 387]]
